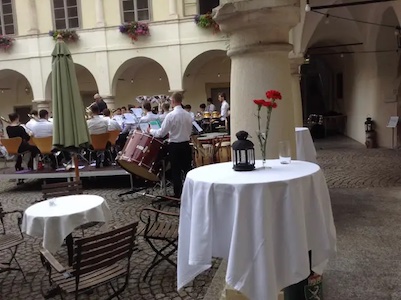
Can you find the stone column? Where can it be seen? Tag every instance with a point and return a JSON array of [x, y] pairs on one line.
[[109, 101], [33, 19], [259, 48], [100, 22], [173, 8], [296, 63], [42, 104]]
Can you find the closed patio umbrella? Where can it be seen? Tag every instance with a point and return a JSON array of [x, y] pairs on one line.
[[70, 131]]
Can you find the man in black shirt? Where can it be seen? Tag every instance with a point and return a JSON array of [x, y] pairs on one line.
[[100, 103]]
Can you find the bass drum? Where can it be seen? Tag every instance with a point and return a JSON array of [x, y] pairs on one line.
[[142, 156]]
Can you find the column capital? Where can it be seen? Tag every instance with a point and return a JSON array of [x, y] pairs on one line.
[[37, 101], [257, 25], [296, 61]]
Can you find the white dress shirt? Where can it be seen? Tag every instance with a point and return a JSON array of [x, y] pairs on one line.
[[97, 125], [224, 110], [112, 124], [162, 116], [42, 128], [192, 115], [29, 126], [210, 108], [178, 124], [148, 117]]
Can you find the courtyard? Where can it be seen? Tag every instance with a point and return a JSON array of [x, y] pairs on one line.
[[365, 187]]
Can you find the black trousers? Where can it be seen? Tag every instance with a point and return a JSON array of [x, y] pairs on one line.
[[180, 156]]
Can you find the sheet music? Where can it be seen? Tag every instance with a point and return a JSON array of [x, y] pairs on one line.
[[119, 119], [196, 125], [137, 112], [130, 118], [154, 124], [392, 123]]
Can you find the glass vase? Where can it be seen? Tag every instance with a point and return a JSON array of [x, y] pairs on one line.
[[262, 138]]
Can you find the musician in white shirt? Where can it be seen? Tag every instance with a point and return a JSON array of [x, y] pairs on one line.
[[42, 127], [224, 107], [29, 125], [178, 124], [210, 106], [97, 124], [165, 110], [112, 124], [188, 109], [149, 115]]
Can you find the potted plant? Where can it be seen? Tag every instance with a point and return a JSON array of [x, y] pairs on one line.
[[134, 29], [206, 21], [67, 35], [6, 42]]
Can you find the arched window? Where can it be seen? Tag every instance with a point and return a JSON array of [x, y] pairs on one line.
[[135, 10], [6, 17], [65, 13]]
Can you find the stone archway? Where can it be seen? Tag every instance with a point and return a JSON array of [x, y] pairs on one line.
[[86, 81], [15, 94], [207, 74], [136, 77]]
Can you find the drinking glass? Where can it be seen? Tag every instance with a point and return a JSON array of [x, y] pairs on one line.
[[284, 152]]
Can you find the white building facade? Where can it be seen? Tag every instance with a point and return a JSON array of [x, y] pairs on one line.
[[263, 45]]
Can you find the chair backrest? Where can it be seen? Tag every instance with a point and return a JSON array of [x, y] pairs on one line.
[[99, 141], [113, 135], [59, 189], [45, 144], [103, 250], [12, 144]]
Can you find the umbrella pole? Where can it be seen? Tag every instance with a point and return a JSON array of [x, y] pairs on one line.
[[76, 167]]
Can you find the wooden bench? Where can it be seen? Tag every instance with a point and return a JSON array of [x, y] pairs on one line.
[[59, 189]]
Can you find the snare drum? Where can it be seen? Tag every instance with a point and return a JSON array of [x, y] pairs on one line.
[[142, 155]]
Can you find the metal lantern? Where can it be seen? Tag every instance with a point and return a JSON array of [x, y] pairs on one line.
[[369, 125], [243, 153]]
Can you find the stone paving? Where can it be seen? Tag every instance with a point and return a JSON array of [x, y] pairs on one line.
[[365, 188], [162, 283]]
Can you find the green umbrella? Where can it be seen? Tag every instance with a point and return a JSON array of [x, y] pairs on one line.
[[70, 131]]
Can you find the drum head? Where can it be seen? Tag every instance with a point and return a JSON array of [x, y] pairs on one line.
[[134, 169]]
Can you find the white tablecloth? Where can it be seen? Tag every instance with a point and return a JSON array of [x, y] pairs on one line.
[[305, 148], [263, 222], [55, 222]]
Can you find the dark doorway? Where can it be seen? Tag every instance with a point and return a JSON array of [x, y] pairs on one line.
[[23, 112], [214, 93], [206, 6]]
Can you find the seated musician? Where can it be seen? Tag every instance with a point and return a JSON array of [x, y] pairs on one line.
[[44, 128], [202, 108], [188, 109], [165, 109], [149, 115], [112, 124], [210, 106], [16, 130], [34, 116], [178, 124], [98, 125]]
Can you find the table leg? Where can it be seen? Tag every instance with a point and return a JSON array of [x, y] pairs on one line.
[[69, 241]]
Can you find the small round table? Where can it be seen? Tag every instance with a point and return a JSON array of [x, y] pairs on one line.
[[264, 222], [55, 219], [305, 148]]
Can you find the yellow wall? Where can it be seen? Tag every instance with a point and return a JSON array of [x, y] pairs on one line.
[[87, 12], [112, 12], [45, 15], [161, 10]]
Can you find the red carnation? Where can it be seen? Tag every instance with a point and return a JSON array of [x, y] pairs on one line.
[[259, 102], [268, 104], [274, 105], [272, 94]]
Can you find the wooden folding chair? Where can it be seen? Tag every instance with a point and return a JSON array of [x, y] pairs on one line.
[[10, 241], [161, 235], [99, 144], [12, 146], [99, 260]]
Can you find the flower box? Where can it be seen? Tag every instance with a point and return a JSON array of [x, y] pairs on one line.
[[206, 21], [134, 29], [66, 34], [6, 42]]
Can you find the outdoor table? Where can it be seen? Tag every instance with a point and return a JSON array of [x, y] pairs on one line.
[[263, 222], [55, 219], [305, 148]]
